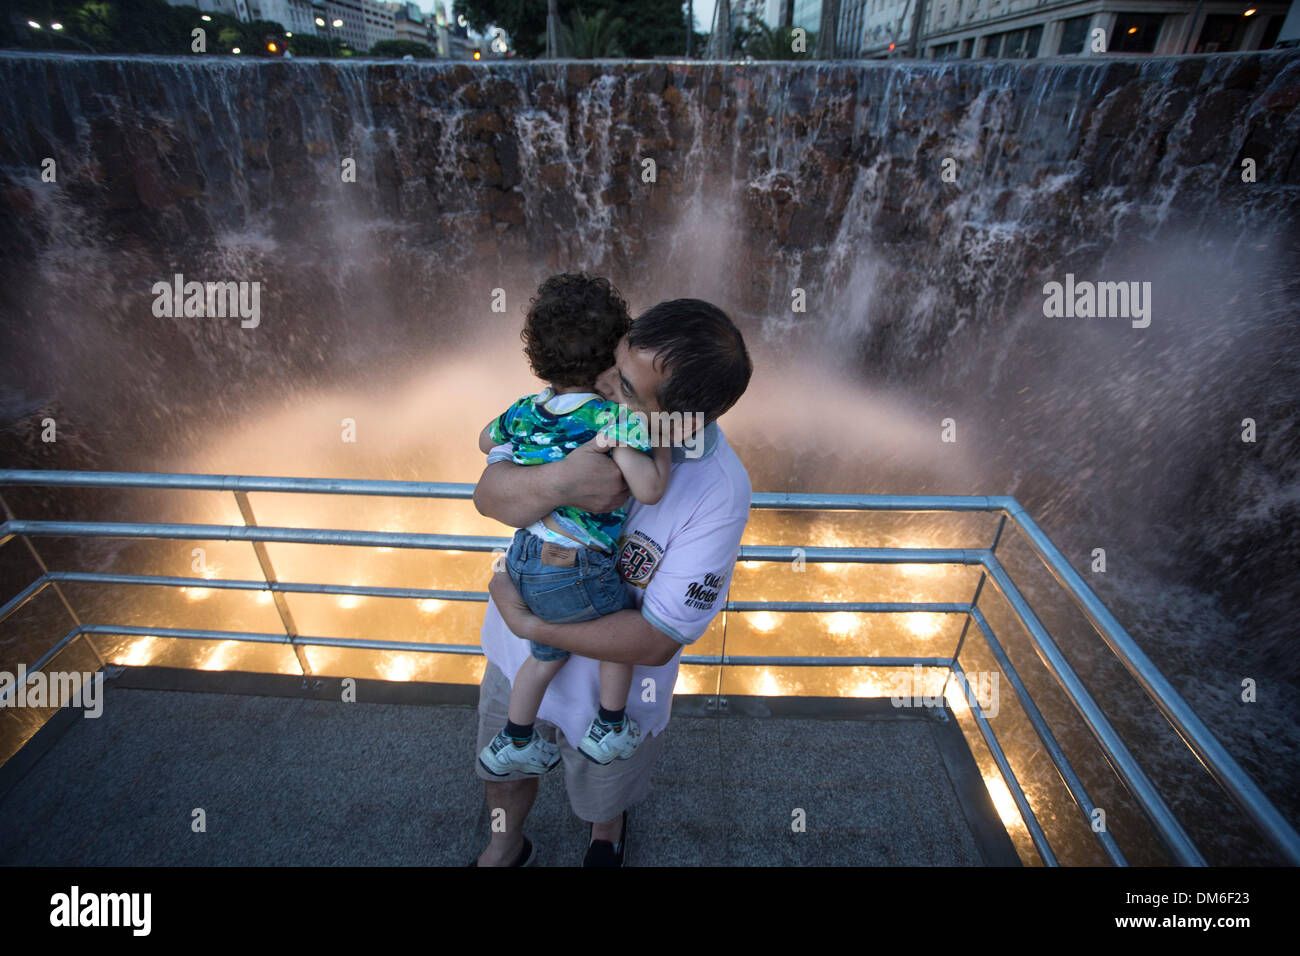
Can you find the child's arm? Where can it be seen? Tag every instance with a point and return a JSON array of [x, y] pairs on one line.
[[645, 475], [485, 442]]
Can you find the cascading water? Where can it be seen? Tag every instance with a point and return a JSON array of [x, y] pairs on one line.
[[915, 211]]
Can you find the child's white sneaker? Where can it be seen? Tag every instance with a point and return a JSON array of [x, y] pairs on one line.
[[502, 757], [605, 746]]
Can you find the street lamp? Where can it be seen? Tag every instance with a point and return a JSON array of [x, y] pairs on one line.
[[58, 28], [329, 29]]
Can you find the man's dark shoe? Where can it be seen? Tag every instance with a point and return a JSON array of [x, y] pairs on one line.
[[526, 855], [604, 853]]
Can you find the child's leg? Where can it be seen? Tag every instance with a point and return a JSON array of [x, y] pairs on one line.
[[615, 681], [530, 687]]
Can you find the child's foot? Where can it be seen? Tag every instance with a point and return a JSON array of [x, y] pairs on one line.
[[604, 743], [502, 757]]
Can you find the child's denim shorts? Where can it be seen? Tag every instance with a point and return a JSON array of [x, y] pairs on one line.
[[590, 588]]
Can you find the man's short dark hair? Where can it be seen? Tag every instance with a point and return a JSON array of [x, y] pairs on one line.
[[574, 323], [702, 353]]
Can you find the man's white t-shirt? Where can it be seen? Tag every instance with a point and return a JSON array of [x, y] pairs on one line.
[[676, 557]]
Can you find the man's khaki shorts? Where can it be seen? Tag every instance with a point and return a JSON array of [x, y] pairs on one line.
[[596, 792]]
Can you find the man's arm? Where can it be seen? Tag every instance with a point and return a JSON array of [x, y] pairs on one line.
[[622, 637], [518, 495]]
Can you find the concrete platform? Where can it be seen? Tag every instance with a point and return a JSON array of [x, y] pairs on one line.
[[290, 780]]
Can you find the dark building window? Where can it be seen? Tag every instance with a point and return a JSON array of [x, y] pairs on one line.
[[1271, 31], [1135, 32], [1015, 44], [1074, 35], [1033, 37], [1221, 33]]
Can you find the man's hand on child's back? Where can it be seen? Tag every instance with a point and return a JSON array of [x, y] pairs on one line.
[[589, 480]]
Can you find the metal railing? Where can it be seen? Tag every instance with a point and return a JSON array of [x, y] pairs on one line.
[[1212, 755]]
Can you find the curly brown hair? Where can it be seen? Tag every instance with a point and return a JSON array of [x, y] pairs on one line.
[[572, 327]]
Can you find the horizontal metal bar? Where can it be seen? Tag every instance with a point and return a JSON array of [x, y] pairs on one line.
[[1036, 833], [481, 597], [239, 532], [754, 552], [1218, 762], [1124, 763], [319, 486], [818, 502], [161, 580], [457, 490], [1048, 739], [265, 638], [447, 542], [859, 607], [476, 650], [734, 660]]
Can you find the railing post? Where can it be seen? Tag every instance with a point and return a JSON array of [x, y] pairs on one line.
[[268, 574]]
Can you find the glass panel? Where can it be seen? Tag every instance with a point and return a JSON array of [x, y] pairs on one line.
[[32, 630], [1003, 802], [1066, 829], [1176, 636], [216, 609], [864, 682], [396, 665], [20, 722], [870, 529], [134, 651]]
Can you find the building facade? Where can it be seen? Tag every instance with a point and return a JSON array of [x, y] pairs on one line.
[[966, 29], [807, 14], [239, 9], [412, 23], [365, 22], [294, 15]]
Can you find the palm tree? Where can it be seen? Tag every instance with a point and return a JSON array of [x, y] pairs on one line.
[[586, 38]]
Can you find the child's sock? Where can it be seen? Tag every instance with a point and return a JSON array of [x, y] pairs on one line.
[[519, 734], [611, 718]]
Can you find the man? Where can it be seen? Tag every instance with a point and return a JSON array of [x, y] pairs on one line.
[[683, 356]]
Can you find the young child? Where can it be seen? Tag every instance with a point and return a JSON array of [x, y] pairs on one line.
[[565, 566]]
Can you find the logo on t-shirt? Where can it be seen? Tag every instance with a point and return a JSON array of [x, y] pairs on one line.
[[638, 558], [702, 595]]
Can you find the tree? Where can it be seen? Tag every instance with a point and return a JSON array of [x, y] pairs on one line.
[[766, 43], [651, 27], [524, 20], [308, 44], [587, 38], [138, 26]]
